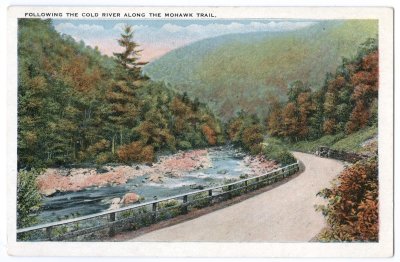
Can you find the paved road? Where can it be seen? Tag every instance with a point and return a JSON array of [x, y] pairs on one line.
[[285, 213]]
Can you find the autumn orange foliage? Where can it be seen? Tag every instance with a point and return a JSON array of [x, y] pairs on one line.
[[352, 211], [136, 152], [210, 135]]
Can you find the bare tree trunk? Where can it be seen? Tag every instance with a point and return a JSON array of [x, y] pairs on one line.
[[113, 145]]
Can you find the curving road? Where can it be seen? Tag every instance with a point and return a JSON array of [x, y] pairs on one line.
[[285, 213]]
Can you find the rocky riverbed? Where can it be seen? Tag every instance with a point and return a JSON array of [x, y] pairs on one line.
[[82, 191], [63, 180]]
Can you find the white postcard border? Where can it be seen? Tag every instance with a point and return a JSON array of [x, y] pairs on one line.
[[201, 249]]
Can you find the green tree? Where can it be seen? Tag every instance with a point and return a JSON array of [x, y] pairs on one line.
[[28, 198], [128, 58], [121, 93]]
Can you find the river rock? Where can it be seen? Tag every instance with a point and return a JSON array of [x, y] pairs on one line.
[[115, 203], [156, 178], [130, 198], [115, 200]]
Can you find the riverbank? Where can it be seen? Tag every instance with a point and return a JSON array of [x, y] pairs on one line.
[[55, 180], [74, 179]]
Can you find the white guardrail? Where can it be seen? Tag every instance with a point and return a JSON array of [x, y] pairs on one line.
[[143, 214]]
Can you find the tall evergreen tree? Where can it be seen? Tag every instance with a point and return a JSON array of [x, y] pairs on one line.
[[121, 93], [128, 58]]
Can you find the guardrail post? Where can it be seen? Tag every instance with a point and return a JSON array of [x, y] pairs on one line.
[[154, 212], [111, 219], [185, 207], [48, 232], [210, 195], [229, 191], [245, 186]]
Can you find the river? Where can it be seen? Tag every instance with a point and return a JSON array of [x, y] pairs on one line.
[[227, 165]]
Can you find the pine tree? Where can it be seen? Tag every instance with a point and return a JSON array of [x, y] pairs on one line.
[[121, 93], [128, 58]]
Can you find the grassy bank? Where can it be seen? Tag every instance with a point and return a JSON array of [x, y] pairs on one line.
[[350, 143]]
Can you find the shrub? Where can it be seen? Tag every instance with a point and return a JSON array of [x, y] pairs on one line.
[[252, 137], [28, 197], [184, 145], [97, 147], [352, 210], [273, 149], [136, 152], [105, 157], [209, 134], [169, 209], [200, 200]]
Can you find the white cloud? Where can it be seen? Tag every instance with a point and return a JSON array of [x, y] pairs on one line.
[[172, 28], [120, 27], [82, 27]]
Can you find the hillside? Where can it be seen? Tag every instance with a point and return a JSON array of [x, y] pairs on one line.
[[76, 106], [241, 71]]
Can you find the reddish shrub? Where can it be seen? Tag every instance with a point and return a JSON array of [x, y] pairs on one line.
[[352, 211], [209, 134], [136, 152]]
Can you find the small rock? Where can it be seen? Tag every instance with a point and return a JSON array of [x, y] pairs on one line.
[[115, 200], [130, 198]]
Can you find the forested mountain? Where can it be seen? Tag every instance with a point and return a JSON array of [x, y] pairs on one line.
[[242, 71], [347, 101], [76, 105]]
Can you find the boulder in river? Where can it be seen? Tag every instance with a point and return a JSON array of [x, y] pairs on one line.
[[130, 198], [115, 203]]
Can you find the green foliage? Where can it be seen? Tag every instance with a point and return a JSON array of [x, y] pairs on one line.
[[273, 149], [346, 103], [354, 141], [200, 200], [184, 145], [169, 209], [28, 198], [349, 143], [311, 146], [128, 58], [246, 131], [241, 71], [76, 105]]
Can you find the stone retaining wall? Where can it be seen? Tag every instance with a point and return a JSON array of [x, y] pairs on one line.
[[351, 157]]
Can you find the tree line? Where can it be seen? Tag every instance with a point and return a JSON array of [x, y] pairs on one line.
[[346, 103], [76, 105]]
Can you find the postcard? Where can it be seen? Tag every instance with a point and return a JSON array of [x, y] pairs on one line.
[[200, 131]]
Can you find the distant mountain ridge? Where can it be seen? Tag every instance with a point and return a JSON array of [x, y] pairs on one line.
[[240, 71]]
